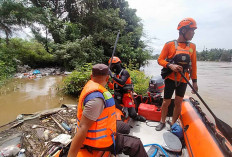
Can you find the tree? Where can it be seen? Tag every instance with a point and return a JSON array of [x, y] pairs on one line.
[[12, 15], [214, 55], [67, 22]]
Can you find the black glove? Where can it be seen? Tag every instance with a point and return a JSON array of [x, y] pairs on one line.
[[125, 112]]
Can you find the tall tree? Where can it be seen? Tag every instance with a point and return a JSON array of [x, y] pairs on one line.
[[12, 16]]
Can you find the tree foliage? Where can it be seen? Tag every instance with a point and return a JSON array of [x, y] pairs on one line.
[[77, 53], [8, 63], [30, 53], [215, 55], [13, 15], [69, 21], [70, 33], [74, 83]]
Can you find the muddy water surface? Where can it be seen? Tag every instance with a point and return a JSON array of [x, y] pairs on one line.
[[214, 83], [29, 96]]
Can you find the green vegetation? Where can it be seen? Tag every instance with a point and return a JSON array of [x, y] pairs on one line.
[[73, 84], [7, 63], [69, 34], [140, 81], [215, 55]]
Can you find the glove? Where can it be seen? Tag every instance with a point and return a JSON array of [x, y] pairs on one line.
[[125, 112]]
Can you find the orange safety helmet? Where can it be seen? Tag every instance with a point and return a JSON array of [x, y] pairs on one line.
[[190, 22], [114, 60]]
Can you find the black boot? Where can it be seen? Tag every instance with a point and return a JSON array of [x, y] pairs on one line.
[[140, 118], [133, 115]]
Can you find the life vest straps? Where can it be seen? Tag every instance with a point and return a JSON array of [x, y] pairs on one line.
[[106, 96], [177, 83], [120, 73], [92, 96], [127, 87], [176, 44]]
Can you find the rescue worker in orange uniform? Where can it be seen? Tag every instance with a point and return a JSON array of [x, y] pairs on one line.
[[96, 122], [178, 55], [123, 90]]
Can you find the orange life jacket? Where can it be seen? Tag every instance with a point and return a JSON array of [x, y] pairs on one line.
[[101, 133], [126, 88], [183, 54]]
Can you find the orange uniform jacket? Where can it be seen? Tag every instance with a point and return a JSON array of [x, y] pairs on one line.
[[169, 51]]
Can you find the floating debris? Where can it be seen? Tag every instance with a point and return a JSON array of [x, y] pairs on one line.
[[39, 134]]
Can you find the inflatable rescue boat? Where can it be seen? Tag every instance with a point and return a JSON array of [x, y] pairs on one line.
[[201, 138]]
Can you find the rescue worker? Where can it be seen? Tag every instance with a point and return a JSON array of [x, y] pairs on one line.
[[123, 89], [178, 55], [96, 121]]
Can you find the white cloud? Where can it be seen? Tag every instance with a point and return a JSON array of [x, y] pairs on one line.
[[161, 17]]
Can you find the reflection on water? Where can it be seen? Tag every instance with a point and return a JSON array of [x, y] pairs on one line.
[[214, 83], [29, 96]]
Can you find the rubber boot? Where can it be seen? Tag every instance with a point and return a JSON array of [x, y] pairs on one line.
[[133, 115], [141, 118]]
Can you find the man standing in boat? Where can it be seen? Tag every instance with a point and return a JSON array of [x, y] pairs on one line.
[[123, 89], [96, 122], [178, 55]]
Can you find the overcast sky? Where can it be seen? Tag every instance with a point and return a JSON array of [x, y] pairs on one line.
[[161, 17]]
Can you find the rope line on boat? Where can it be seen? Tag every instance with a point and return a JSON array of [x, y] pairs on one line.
[[220, 139], [150, 125]]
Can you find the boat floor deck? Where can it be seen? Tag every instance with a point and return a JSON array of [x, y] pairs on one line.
[[148, 135]]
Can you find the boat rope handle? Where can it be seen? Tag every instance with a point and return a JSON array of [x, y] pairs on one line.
[[153, 144]]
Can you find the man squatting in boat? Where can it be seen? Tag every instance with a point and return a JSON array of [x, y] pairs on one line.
[[123, 89]]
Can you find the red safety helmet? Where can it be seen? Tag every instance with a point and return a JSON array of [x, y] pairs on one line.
[[114, 60], [189, 22]]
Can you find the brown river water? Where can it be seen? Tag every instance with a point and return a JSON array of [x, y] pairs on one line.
[[29, 96]]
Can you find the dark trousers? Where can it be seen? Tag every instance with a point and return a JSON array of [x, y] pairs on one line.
[[129, 145], [122, 127]]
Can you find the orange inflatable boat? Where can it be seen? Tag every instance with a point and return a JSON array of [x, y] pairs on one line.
[[202, 138]]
